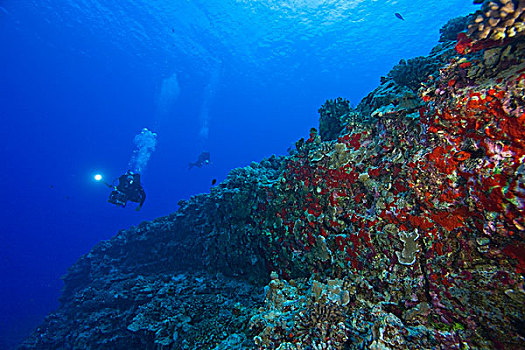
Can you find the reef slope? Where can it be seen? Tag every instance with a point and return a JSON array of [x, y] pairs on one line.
[[398, 225]]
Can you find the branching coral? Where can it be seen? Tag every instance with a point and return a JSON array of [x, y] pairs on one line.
[[331, 118], [303, 314], [413, 72], [450, 31]]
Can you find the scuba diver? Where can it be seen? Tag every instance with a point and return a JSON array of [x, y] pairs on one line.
[[127, 189], [204, 159]]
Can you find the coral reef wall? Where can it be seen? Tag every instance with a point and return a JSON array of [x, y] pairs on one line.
[[400, 226]]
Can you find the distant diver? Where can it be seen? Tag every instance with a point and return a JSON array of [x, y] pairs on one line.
[[127, 189], [398, 15], [204, 159]]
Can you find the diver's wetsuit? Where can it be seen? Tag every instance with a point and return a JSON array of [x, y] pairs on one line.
[[128, 189], [204, 159]]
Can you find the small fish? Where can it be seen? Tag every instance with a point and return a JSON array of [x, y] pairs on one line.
[[398, 15], [213, 182]]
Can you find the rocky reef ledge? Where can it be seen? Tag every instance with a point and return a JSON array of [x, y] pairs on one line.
[[399, 224]]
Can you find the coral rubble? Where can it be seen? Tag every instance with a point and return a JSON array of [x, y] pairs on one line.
[[400, 226]]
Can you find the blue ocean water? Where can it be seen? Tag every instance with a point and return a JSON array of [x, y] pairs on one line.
[[242, 79]]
